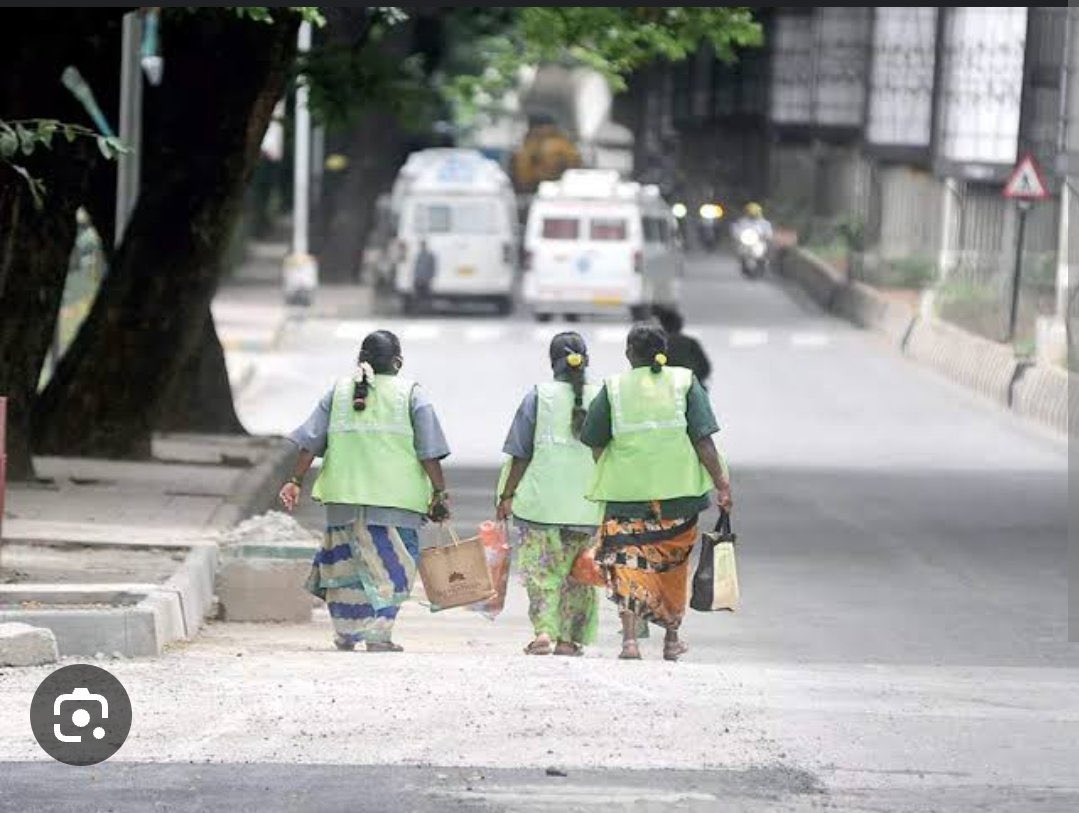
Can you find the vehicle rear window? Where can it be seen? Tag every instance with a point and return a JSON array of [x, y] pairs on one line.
[[465, 217], [561, 228], [607, 229]]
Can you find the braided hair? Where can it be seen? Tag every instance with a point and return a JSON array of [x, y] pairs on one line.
[[646, 346], [380, 354], [569, 357]]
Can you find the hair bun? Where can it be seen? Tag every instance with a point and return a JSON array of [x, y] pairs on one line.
[[661, 359], [574, 359]]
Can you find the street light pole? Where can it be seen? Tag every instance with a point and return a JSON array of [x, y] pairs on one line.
[[301, 270], [127, 170]]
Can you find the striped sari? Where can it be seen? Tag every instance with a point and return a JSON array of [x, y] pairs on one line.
[[364, 573], [647, 567]]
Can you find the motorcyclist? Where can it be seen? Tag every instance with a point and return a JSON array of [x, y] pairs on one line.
[[753, 217]]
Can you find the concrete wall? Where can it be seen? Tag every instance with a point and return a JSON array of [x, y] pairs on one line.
[[908, 219]]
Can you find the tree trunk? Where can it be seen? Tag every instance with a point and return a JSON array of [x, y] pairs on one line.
[[35, 245], [201, 135], [200, 399]]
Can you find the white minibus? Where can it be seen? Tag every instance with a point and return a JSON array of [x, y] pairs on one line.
[[595, 244]]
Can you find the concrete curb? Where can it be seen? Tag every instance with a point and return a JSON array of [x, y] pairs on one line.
[[818, 279], [256, 490], [865, 307], [987, 367], [982, 365], [1046, 394], [164, 613]]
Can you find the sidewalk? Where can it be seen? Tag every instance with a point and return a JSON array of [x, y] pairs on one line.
[[252, 317], [120, 556]]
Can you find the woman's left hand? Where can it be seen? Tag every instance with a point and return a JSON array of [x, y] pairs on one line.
[[723, 497]]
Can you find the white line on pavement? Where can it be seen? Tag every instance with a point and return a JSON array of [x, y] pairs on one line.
[[351, 330], [611, 335], [484, 333], [810, 340], [420, 332], [748, 338]]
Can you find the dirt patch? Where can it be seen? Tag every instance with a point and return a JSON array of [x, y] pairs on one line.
[[80, 564]]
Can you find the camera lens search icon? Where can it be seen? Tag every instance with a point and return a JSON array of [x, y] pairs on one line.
[[80, 715]]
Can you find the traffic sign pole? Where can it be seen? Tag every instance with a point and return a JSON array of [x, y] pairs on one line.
[[1024, 207], [1025, 185]]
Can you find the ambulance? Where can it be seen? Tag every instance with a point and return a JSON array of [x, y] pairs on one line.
[[595, 244], [462, 205]]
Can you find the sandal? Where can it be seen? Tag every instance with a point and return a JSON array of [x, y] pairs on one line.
[[673, 650], [540, 646], [343, 644], [384, 646], [569, 648], [630, 651]]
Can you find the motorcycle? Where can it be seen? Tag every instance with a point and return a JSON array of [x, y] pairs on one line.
[[752, 250]]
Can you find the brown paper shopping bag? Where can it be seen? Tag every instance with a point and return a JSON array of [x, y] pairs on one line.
[[456, 574]]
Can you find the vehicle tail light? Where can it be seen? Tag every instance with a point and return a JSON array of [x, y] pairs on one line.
[[638, 262]]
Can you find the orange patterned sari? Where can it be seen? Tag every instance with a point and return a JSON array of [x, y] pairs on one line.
[[647, 567]]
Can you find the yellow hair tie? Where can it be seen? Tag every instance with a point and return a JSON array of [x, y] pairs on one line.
[[574, 359], [661, 359]]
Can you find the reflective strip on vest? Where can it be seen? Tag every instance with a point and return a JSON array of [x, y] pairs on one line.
[[650, 456], [552, 490], [370, 454]]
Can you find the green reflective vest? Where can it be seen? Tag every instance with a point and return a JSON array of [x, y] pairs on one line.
[[370, 457], [650, 456], [552, 491]]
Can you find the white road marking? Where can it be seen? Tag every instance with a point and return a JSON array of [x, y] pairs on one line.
[[420, 332], [351, 330], [611, 335], [749, 338], [810, 340], [484, 333]]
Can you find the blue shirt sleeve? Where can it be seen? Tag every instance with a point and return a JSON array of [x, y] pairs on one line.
[[520, 442], [311, 434], [427, 436]]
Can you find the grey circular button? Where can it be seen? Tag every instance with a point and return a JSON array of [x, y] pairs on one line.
[[80, 714]]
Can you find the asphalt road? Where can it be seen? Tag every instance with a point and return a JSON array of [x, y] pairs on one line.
[[902, 645]]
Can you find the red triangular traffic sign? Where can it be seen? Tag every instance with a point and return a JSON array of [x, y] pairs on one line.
[[1026, 181]]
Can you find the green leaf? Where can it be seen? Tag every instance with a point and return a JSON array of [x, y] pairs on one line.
[[9, 143], [118, 147], [104, 147], [26, 139], [46, 128], [69, 133], [34, 185]]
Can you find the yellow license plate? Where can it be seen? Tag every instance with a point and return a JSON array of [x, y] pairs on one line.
[[607, 300], [466, 271]]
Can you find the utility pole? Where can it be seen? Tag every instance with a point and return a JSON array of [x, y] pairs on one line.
[[301, 269], [127, 170]]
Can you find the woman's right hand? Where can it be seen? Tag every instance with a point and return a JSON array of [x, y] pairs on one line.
[[505, 509], [289, 496]]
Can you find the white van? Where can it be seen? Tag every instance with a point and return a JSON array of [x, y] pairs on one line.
[[595, 244], [462, 205]]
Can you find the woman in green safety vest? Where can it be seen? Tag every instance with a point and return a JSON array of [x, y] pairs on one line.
[[381, 477], [651, 430], [542, 486]]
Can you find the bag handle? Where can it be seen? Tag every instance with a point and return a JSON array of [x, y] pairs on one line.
[[447, 528], [723, 524]]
